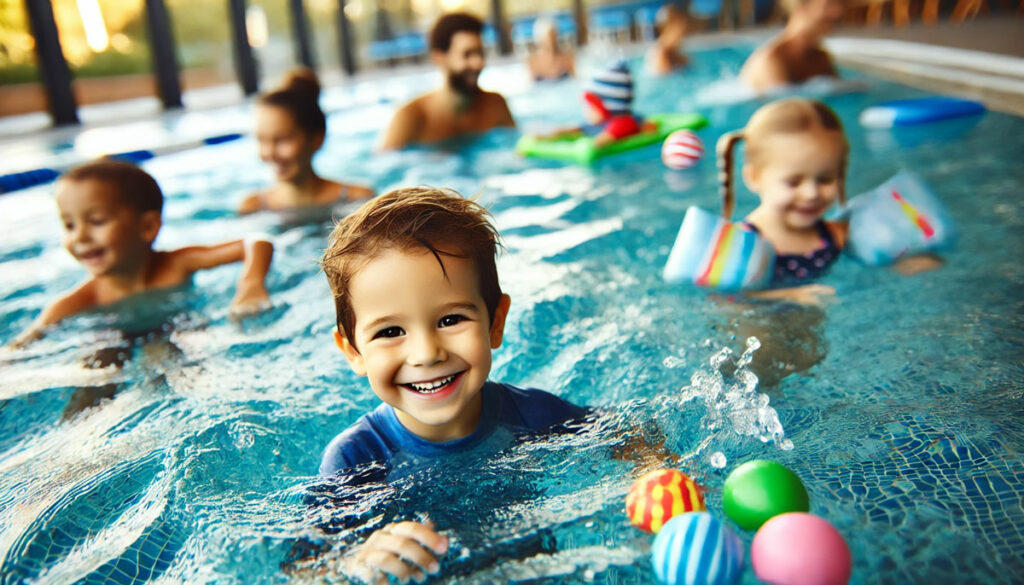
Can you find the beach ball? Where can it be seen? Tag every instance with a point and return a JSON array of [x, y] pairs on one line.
[[681, 150], [759, 490], [800, 549], [697, 549], [660, 495]]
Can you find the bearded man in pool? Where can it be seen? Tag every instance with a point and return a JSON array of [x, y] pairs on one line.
[[460, 106]]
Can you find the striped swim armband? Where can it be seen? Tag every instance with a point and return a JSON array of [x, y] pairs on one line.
[[900, 217], [711, 251]]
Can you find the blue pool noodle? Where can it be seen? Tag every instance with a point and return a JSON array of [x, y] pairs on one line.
[[918, 111]]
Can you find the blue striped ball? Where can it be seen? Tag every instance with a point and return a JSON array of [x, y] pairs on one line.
[[697, 549]]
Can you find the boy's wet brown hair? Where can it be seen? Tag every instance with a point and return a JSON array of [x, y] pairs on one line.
[[417, 218], [449, 24], [134, 186]]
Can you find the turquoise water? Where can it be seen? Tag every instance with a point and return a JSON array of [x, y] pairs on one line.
[[899, 404]]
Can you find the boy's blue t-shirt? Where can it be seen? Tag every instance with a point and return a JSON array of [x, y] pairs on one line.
[[378, 435]]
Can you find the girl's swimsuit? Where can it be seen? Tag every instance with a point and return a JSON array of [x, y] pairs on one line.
[[799, 268]]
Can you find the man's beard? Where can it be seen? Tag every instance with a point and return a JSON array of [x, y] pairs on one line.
[[464, 83]]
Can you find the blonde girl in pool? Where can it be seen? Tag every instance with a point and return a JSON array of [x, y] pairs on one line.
[[796, 162], [290, 128], [796, 155]]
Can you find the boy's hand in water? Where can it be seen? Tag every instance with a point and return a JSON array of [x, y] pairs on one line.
[[251, 298], [403, 550]]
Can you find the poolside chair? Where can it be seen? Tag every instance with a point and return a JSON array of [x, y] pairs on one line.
[[610, 24], [522, 33], [645, 18]]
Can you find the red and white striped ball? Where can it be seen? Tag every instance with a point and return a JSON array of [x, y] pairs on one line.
[[681, 150]]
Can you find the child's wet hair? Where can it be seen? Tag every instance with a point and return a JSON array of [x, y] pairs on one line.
[[134, 186], [299, 95], [667, 14], [788, 116], [417, 218]]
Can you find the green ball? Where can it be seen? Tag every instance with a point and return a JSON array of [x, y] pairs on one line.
[[759, 490]]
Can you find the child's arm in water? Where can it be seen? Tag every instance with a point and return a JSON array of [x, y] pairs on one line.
[[251, 294], [76, 301], [808, 294], [403, 550], [912, 265]]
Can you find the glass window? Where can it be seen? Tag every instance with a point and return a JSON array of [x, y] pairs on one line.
[[20, 88], [322, 16], [270, 29], [202, 31], [107, 48]]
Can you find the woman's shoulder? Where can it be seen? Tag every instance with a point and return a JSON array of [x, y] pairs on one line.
[[252, 203]]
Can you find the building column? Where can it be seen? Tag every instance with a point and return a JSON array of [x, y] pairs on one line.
[[161, 44], [498, 21], [300, 29], [53, 68], [345, 41], [245, 60], [580, 16]]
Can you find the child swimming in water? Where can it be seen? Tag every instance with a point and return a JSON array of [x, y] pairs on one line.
[[111, 212], [665, 56], [796, 55], [607, 104], [419, 310], [290, 128], [549, 61], [796, 155]]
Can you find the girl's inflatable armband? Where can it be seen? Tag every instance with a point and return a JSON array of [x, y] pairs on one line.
[[714, 252], [901, 217]]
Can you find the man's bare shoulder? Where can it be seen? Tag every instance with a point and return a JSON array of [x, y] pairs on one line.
[[496, 109], [406, 125]]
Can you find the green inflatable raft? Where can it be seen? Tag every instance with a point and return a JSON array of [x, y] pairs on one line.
[[581, 149]]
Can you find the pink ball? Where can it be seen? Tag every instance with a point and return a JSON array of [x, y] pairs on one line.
[[798, 548], [681, 150]]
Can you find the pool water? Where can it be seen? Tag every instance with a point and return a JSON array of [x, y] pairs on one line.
[[899, 403]]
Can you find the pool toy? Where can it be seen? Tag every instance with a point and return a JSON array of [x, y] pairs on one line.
[[898, 218], [918, 111], [759, 490], [681, 150], [800, 549], [661, 495], [582, 150], [697, 549], [713, 252]]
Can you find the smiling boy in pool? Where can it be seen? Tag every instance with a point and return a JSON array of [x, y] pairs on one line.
[[419, 310], [111, 214]]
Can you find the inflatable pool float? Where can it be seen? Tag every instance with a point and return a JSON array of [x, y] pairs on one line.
[[918, 111], [581, 149]]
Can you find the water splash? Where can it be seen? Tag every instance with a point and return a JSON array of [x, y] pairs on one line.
[[733, 402]]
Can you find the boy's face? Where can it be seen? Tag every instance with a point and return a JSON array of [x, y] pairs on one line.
[[104, 235], [424, 341]]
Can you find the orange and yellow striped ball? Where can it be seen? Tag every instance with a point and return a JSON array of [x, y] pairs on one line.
[[660, 495]]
